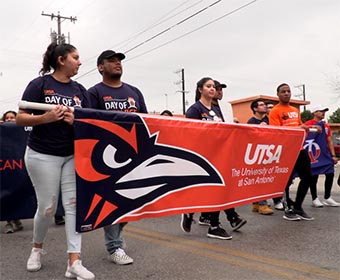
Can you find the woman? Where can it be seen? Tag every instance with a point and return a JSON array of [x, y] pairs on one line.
[[49, 155], [203, 109]]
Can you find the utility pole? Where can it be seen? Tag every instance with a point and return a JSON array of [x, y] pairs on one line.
[[183, 88], [303, 86], [59, 38]]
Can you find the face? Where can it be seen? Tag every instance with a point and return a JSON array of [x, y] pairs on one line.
[[218, 93], [320, 115], [71, 63], [284, 94], [269, 108], [261, 107], [208, 90], [10, 117], [111, 67]]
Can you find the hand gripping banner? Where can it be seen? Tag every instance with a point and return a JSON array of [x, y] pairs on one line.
[[133, 166]]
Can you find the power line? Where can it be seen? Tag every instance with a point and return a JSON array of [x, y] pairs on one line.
[[160, 33]]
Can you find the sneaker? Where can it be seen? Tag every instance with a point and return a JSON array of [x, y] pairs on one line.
[[186, 222], [317, 203], [303, 215], [9, 228], [34, 263], [204, 221], [78, 271], [237, 223], [120, 257], [265, 210], [279, 206], [59, 220], [331, 202], [219, 233], [18, 225], [255, 207], [290, 215]]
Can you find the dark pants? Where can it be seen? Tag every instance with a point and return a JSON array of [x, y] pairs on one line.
[[214, 217], [328, 185], [303, 169]]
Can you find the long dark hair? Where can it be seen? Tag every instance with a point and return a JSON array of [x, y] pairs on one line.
[[200, 85], [50, 60]]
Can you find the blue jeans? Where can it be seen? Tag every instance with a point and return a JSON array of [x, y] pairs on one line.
[[50, 174], [113, 237]]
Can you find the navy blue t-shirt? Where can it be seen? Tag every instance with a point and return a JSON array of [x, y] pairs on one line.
[[254, 120], [54, 138], [200, 112], [125, 98]]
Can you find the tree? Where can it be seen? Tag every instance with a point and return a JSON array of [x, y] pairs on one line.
[[306, 115], [335, 117]]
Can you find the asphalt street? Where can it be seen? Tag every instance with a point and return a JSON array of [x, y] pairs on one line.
[[267, 247]]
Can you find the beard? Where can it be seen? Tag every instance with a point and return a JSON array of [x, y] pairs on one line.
[[116, 76]]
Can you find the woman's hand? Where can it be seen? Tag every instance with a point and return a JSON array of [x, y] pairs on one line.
[[68, 116]]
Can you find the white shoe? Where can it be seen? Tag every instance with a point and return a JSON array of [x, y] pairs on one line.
[[120, 257], [331, 202], [279, 206], [34, 263], [317, 203], [78, 271]]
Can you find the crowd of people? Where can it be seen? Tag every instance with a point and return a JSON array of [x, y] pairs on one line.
[[50, 147]]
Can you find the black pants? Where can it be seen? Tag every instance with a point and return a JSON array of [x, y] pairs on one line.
[[303, 169], [328, 185], [214, 217]]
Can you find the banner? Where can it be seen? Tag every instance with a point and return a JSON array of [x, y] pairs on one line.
[[317, 148], [17, 197], [132, 166]]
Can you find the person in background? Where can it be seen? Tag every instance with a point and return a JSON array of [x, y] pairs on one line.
[[114, 95], [12, 225], [329, 159], [283, 114], [166, 113], [260, 117], [49, 156], [269, 106]]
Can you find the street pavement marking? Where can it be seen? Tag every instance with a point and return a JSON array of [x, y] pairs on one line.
[[284, 268]]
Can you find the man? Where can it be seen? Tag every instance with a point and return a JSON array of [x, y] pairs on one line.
[[285, 115], [259, 117], [235, 220], [114, 95], [327, 156]]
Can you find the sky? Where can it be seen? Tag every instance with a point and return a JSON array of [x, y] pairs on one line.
[[252, 46]]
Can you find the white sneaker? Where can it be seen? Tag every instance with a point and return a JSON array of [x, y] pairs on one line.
[[120, 257], [78, 271], [34, 263], [317, 203], [279, 206], [331, 202]]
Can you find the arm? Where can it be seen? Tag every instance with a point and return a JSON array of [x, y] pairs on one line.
[[26, 119], [331, 149]]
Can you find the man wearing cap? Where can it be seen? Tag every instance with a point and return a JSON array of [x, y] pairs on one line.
[[284, 114], [328, 156], [114, 95]]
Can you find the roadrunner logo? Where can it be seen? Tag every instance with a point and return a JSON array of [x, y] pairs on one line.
[[124, 163]]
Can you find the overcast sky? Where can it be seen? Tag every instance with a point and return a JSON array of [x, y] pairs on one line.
[[252, 49]]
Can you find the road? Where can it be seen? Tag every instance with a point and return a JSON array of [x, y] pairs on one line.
[[267, 247]]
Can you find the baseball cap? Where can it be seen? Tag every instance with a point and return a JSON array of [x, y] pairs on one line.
[[109, 54], [319, 108], [218, 84]]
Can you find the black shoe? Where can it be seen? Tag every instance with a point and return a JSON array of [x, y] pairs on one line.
[[237, 222], [303, 215], [186, 222], [59, 220], [290, 215], [219, 233], [204, 221]]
